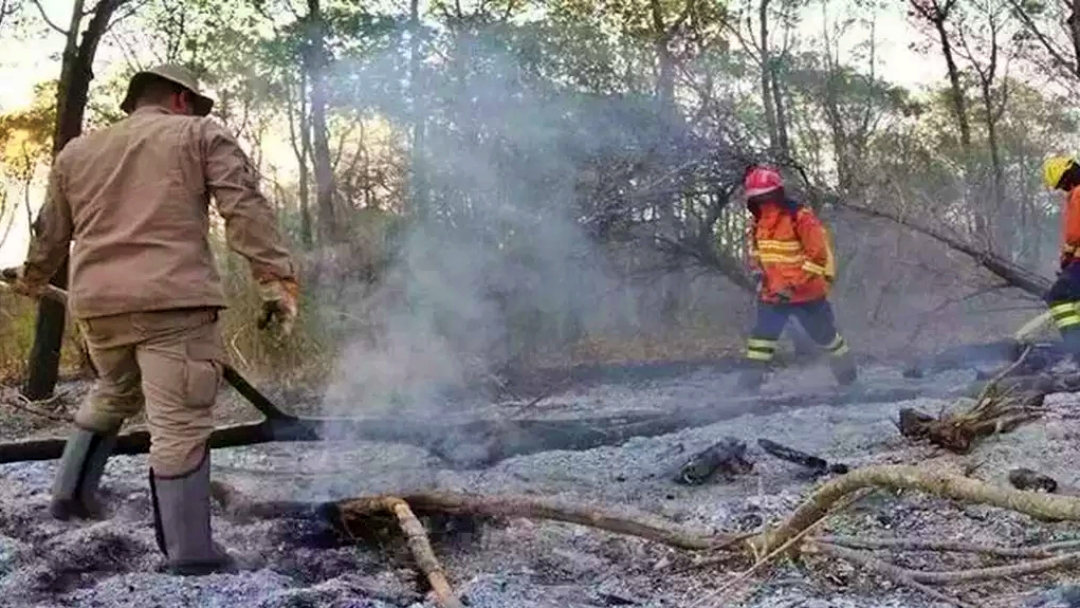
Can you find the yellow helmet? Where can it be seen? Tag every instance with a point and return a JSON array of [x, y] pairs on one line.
[[1054, 168]]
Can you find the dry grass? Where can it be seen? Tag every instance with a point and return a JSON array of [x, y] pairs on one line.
[[17, 318]]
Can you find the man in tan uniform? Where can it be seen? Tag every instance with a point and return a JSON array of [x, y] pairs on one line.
[[133, 199]]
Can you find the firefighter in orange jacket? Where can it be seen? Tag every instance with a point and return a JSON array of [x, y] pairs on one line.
[[790, 255], [1063, 173]]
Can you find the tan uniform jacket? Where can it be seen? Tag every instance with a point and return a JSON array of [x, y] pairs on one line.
[[134, 200]]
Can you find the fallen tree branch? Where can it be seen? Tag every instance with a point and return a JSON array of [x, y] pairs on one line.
[[22, 404], [761, 561], [889, 571], [477, 442], [538, 508], [817, 465], [422, 552], [1017, 276], [974, 574], [903, 477], [480, 506], [354, 516], [996, 410], [913, 544]]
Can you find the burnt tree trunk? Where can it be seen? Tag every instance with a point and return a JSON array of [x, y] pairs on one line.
[[418, 188], [71, 97], [315, 60], [767, 98], [300, 141]]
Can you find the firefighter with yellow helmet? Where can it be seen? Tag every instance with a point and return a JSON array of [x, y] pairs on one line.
[[1063, 173]]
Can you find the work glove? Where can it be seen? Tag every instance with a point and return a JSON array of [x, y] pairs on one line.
[[16, 277], [280, 300], [785, 295]]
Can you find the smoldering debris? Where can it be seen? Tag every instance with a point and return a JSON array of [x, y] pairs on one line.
[[1026, 479], [509, 564], [725, 458]]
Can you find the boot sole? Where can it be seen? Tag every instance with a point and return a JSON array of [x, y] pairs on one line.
[[203, 568]]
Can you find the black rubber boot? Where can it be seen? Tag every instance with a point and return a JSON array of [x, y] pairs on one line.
[[1070, 337], [182, 523], [844, 369], [751, 379], [74, 493]]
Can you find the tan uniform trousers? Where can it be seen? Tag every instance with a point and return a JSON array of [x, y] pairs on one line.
[[169, 361]]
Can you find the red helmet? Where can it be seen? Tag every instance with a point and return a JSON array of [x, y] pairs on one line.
[[761, 180]]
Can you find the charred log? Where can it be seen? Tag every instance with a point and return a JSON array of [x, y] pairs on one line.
[[818, 466], [474, 443], [725, 458]]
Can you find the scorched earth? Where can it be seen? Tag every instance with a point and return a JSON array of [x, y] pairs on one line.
[[519, 563]]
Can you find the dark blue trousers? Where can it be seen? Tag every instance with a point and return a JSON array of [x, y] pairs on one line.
[[1063, 298], [816, 318]]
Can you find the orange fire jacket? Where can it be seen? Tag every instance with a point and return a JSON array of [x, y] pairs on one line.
[[789, 246], [1070, 228]]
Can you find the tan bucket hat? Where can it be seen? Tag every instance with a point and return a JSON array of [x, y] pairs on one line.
[[173, 73]]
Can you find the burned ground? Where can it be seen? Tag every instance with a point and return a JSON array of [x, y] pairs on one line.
[[516, 563]]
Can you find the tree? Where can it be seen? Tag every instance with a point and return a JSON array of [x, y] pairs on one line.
[[72, 93], [26, 142]]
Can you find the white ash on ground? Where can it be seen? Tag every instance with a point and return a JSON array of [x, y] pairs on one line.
[[523, 564]]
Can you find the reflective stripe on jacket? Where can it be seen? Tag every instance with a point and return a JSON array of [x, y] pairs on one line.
[[790, 248]]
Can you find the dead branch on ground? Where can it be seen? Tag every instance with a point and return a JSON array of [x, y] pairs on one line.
[[422, 552], [914, 544], [889, 571], [34, 408], [474, 442], [818, 466], [965, 576], [1048, 507], [481, 506], [997, 409], [788, 536]]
